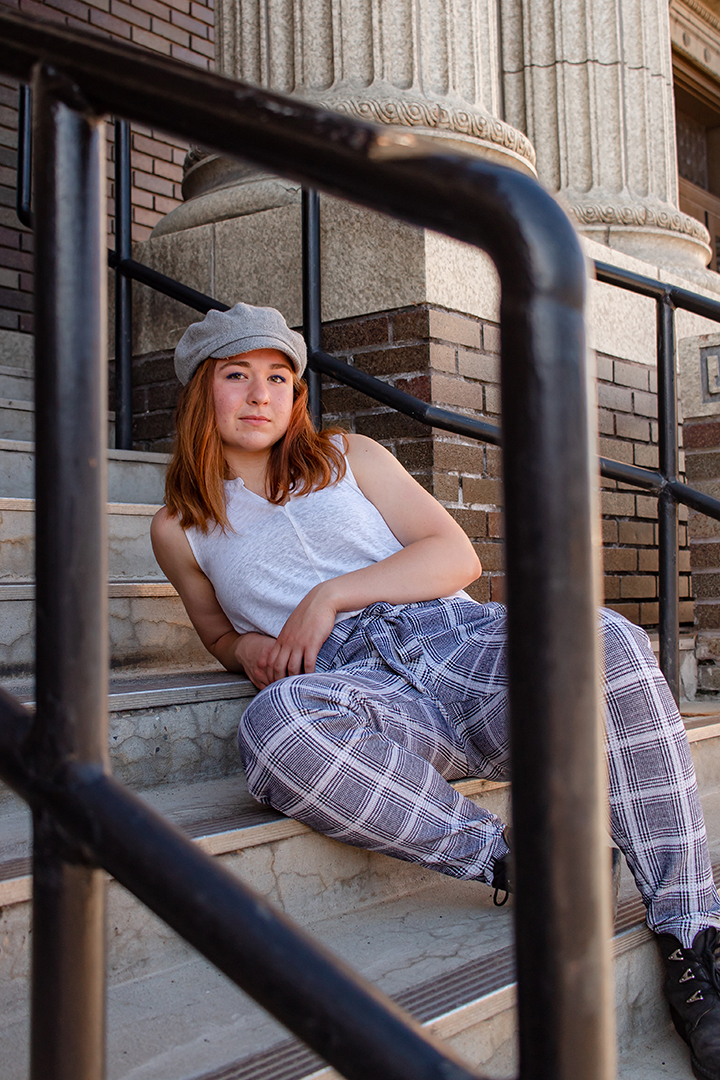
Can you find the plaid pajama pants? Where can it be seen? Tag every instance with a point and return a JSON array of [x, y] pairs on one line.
[[408, 697]]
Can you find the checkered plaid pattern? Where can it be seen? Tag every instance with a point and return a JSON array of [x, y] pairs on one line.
[[406, 698]]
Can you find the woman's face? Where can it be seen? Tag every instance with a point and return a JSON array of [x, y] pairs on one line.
[[253, 395]]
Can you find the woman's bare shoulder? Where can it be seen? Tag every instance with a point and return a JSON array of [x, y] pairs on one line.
[[169, 539]]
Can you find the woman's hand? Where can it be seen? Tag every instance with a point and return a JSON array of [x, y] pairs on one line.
[[252, 651], [304, 634]]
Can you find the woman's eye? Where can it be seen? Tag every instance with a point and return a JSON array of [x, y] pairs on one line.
[[236, 375], [278, 378]]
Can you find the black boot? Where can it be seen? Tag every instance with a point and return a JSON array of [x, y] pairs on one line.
[[692, 987], [502, 881]]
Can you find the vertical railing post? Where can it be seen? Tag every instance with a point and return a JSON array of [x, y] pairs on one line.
[[23, 195], [68, 953], [312, 319], [123, 288], [669, 608]]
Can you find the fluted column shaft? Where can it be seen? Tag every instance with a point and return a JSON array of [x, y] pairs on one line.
[[590, 83]]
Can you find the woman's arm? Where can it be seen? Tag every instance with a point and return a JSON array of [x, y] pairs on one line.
[[437, 559], [246, 653]]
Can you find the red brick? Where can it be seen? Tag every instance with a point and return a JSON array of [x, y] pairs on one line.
[[9, 237], [157, 184], [152, 7], [169, 170], [164, 206], [144, 162], [130, 14], [204, 14], [207, 48], [189, 57], [110, 23], [16, 260], [146, 217], [172, 33], [699, 436], [192, 26], [150, 41]]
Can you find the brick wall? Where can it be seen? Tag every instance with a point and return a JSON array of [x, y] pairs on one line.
[[183, 29], [627, 400], [702, 448]]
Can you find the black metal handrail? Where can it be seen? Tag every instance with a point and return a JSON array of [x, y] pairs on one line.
[[58, 762]]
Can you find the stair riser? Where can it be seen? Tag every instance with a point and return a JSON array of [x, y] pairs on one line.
[[307, 876], [128, 481], [16, 384], [145, 631], [484, 1032], [130, 556], [17, 422]]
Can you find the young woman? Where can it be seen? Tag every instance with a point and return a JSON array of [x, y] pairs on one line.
[[315, 564]]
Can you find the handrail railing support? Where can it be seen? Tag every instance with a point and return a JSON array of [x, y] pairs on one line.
[[312, 319], [123, 289], [23, 194], [669, 608], [68, 954]]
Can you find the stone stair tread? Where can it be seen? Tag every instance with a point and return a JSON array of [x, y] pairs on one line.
[[25, 446]]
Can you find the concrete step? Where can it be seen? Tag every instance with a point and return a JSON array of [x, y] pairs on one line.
[[148, 627], [16, 382], [436, 944], [133, 476], [130, 555], [17, 420]]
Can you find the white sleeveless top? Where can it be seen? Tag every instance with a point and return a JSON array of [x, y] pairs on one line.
[[271, 556]]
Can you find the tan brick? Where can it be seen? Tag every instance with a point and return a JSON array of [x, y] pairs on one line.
[[646, 506], [618, 503], [616, 398], [646, 455], [632, 427], [459, 329], [684, 561], [683, 587], [495, 523], [492, 400], [606, 422], [491, 338], [446, 488], [637, 586], [620, 559], [486, 492], [616, 451], [473, 522], [636, 532], [493, 457], [490, 555], [644, 404], [459, 392], [604, 368], [442, 357], [458, 457], [649, 614], [630, 611], [687, 611], [498, 590], [634, 375], [609, 532], [611, 587], [480, 590], [648, 560], [477, 366]]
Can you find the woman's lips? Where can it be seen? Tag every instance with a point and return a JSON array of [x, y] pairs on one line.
[[255, 419]]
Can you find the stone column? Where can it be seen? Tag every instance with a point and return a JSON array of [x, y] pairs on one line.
[[590, 84], [432, 65]]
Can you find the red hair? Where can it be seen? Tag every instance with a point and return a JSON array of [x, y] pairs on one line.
[[303, 460]]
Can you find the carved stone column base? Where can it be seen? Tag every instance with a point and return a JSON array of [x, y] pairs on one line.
[[216, 188], [648, 229]]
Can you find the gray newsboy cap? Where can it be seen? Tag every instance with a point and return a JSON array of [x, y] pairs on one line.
[[231, 333]]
